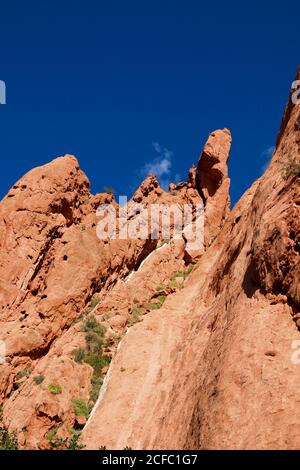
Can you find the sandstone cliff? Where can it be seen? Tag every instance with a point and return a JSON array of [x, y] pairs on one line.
[[143, 342]]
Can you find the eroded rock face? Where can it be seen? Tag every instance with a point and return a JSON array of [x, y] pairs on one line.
[[52, 263], [218, 368], [55, 272], [200, 342]]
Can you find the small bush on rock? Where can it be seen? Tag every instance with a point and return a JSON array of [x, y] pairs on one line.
[[55, 389]]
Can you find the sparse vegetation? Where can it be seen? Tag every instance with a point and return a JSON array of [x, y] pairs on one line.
[[176, 275], [184, 273], [52, 433], [94, 302], [92, 325], [161, 298], [92, 354], [73, 443], [81, 407], [55, 389], [38, 379], [69, 443], [79, 355], [156, 305], [153, 306], [290, 169], [23, 373], [135, 316], [159, 288], [8, 441], [189, 269], [97, 381], [175, 285]]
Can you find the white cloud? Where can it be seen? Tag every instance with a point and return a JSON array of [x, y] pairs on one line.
[[177, 178], [267, 155], [156, 147], [161, 165], [268, 152]]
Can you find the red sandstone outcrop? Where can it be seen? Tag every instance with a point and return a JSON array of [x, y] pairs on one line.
[[213, 182], [201, 354], [218, 364], [54, 271], [52, 263]]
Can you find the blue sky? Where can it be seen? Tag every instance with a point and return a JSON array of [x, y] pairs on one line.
[[125, 85]]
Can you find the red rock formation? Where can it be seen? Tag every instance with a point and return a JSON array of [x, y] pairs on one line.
[[201, 358], [213, 182], [217, 364], [52, 264]]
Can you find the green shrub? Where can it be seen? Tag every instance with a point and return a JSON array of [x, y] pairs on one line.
[[8, 441], [52, 433], [92, 354], [97, 381], [153, 306], [79, 355], [73, 443], [94, 334], [96, 360], [161, 298], [91, 324], [94, 302], [55, 389], [176, 275], [189, 269], [70, 443], [81, 407], [134, 317], [93, 341], [23, 373], [290, 169], [159, 288], [38, 379], [184, 274]]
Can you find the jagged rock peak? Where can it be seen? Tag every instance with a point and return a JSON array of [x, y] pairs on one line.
[[148, 186], [213, 182]]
